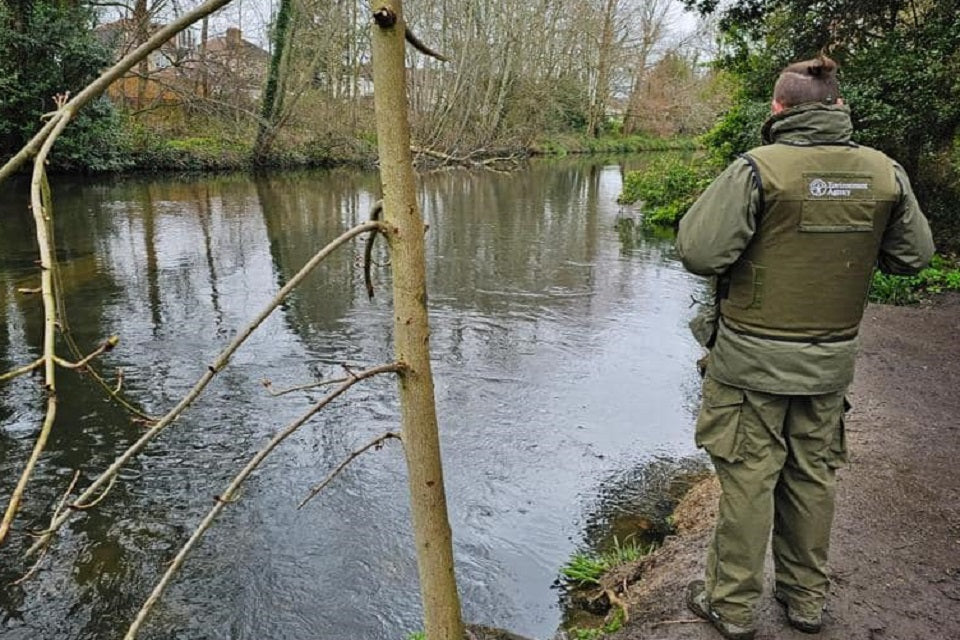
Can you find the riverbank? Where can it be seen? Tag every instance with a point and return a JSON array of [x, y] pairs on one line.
[[895, 554], [213, 153]]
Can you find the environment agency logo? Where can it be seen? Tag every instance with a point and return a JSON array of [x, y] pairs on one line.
[[819, 188]]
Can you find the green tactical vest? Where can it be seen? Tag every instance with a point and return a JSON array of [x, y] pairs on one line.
[[806, 272]]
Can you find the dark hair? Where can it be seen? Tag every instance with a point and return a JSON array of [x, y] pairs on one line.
[[808, 81]]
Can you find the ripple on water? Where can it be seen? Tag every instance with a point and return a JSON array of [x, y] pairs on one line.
[[561, 359]]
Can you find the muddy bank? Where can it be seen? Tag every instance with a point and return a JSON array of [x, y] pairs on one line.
[[895, 554]]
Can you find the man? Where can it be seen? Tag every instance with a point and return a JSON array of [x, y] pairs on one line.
[[793, 231]]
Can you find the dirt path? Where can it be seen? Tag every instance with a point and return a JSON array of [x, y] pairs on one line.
[[895, 554]]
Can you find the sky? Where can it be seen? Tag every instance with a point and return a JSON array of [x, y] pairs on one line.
[[254, 17]]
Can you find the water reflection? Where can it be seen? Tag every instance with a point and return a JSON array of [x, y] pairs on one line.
[[561, 356]]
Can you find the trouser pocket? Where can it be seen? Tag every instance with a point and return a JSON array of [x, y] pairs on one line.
[[837, 453], [719, 430]]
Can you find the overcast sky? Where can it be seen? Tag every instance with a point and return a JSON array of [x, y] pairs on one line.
[[254, 16]]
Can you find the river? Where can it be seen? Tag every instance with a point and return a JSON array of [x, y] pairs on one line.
[[564, 374]]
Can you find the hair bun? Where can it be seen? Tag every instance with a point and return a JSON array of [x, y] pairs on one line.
[[822, 65]]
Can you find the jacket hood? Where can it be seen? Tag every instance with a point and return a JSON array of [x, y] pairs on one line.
[[813, 123]]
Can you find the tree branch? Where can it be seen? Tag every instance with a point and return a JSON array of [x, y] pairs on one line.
[[63, 501], [105, 346], [418, 44], [468, 159], [42, 211], [375, 443], [10, 375], [112, 391], [227, 496], [40, 144], [376, 214], [303, 387], [77, 506]]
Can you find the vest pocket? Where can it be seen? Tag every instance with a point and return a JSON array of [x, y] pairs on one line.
[[834, 216], [746, 286], [719, 429], [838, 202]]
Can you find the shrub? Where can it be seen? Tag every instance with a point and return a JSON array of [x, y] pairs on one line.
[[942, 275], [737, 131], [47, 48], [667, 187]]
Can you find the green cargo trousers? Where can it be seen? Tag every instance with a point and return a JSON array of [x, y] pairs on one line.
[[776, 457]]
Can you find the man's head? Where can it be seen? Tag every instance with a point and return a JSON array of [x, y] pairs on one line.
[[808, 81]]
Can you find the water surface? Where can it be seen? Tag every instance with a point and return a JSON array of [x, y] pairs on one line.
[[563, 368]]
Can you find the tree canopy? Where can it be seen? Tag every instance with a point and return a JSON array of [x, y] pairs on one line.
[[900, 72]]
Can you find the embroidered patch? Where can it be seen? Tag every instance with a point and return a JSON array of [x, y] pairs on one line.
[[820, 188]]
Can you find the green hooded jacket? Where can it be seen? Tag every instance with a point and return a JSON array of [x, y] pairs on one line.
[[718, 229]]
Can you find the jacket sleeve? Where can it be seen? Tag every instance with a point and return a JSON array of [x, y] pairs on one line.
[[720, 224], [907, 244]]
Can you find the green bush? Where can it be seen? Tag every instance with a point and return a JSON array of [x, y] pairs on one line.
[[97, 141], [738, 130], [667, 187], [942, 275], [48, 48]]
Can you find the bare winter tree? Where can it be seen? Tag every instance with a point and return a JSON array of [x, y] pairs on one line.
[[651, 20]]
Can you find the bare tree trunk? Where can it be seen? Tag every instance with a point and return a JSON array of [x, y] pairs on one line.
[[204, 69], [598, 110], [142, 18], [431, 528], [272, 104]]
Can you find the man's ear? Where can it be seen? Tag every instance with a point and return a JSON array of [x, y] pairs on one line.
[[776, 106]]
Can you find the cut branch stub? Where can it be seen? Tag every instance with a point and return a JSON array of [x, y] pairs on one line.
[[385, 17]]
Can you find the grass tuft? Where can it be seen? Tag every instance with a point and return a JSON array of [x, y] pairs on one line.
[[585, 569]]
